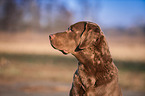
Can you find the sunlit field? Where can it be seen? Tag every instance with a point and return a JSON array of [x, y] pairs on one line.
[[30, 66]]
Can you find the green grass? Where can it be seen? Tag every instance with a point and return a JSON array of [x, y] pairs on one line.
[[67, 61], [41, 59], [130, 66]]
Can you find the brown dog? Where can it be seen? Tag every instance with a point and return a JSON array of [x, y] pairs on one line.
[[96, 74]]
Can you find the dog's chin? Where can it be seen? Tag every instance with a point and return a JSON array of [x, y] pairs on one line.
[[64, 52]]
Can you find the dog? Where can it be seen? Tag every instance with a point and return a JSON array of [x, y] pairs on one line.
[[96, 74]]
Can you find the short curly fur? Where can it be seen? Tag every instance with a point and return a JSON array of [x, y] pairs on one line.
[[96, 74]]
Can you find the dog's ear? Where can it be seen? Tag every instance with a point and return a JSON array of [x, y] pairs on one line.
[[89, 35]]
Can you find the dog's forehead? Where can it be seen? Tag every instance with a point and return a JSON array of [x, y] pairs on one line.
[[78, 26]]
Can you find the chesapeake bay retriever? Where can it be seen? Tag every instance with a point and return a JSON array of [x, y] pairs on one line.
[[96, 74]]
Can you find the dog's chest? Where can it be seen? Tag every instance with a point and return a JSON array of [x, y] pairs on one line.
[[87, 79]]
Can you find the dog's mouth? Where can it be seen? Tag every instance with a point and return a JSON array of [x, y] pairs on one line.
[[63, 51], [52, 44]]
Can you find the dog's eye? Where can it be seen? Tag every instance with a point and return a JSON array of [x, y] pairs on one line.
[[70, 29]]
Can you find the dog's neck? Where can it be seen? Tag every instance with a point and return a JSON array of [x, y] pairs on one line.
[[96, 58], [96, 61]]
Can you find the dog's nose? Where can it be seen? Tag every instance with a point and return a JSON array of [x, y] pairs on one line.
[[51, 36]]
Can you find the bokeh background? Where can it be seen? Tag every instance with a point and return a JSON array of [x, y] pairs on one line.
[[29, 66]]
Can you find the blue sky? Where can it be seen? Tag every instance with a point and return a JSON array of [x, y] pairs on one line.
[[107, 13], [123, 13], [112, 12]]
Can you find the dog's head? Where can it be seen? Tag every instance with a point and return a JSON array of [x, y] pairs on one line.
[[79, 36]]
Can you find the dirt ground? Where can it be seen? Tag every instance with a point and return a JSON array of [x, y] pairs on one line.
[[43, 88]]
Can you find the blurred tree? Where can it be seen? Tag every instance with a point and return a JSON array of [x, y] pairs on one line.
[[31, 16], [19, 15], [89, 9], [58, 17], [62, 17], [12, 16], [47, 15]]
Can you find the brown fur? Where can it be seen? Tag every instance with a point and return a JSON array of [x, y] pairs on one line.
[[96, 74]]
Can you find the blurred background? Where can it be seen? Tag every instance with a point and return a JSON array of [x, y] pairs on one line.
[[29, 66]]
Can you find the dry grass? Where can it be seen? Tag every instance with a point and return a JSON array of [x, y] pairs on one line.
[[134, 52], [36, 43], [132, 80]]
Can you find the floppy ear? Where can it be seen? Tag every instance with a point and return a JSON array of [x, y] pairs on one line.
[[90, 35]]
